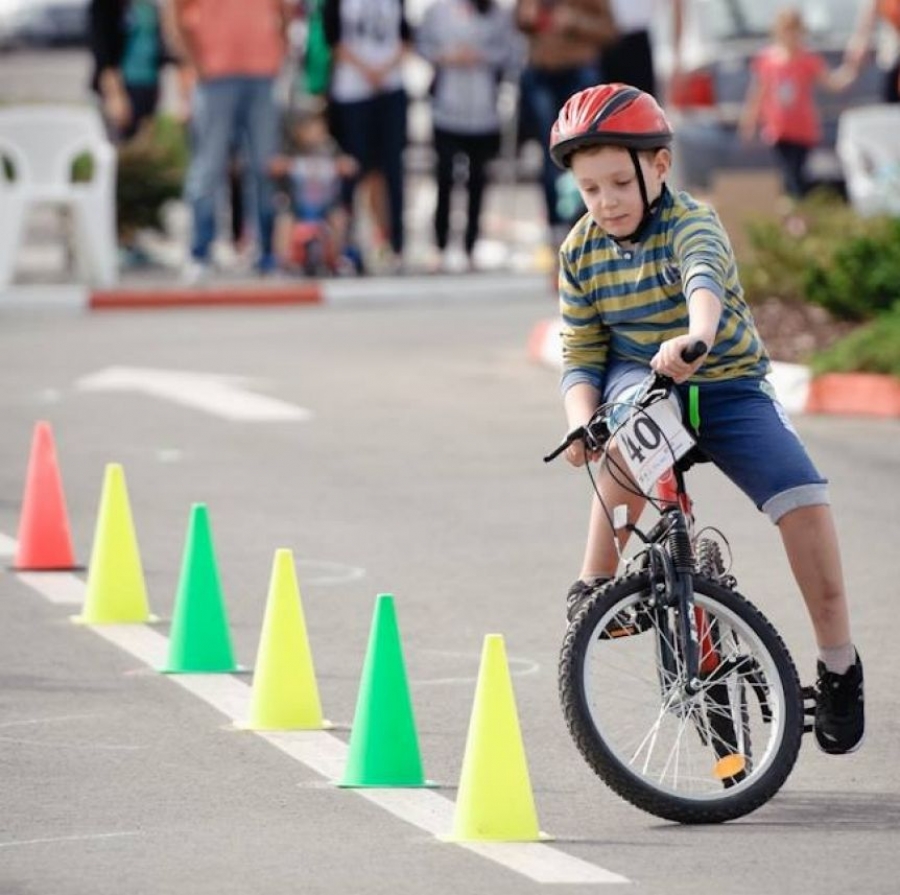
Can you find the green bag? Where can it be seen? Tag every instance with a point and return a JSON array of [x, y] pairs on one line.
[[317, 58]]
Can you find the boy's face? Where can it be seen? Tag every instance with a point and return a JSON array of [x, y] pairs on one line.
[[609, 186]]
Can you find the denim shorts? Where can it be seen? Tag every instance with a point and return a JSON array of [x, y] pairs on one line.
[[747, 435]]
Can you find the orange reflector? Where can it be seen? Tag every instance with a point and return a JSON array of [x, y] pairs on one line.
[[729, 766]]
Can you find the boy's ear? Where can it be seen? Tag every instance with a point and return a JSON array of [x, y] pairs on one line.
[[662, 162]]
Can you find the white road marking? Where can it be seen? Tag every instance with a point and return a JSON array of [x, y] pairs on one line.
[[223, 396], [62, 588], [8, 545], [326, 754], [76, 838], [313, 571]]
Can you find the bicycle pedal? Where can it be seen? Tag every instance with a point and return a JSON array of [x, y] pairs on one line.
[[809, 708]]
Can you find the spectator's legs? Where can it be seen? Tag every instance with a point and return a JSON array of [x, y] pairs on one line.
[[214, 113], [891, 87], [792, 157], [546, 92], [480, 148], [259, 118], [351, 124], [391, 126], [630, 61], [444, 149]]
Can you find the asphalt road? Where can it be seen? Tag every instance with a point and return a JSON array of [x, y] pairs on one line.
[[418, 473]]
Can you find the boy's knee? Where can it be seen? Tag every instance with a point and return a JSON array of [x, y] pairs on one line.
[[803, 496]]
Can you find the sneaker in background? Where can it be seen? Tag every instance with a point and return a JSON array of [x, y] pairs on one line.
[[194, 273], [840, 713]]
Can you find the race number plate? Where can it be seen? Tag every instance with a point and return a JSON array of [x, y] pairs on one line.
[[651, 441]]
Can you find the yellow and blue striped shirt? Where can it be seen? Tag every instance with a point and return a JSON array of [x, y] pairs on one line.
[[621, 303]]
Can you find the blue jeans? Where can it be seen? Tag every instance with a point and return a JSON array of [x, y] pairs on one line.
[[544, 93], [228, 112], [747, 435]]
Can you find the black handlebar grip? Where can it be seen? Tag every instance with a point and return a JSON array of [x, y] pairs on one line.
[[692, 352]]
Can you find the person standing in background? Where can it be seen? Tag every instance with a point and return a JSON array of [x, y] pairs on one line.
[[565, 38], [368, 40], [873, 13], [470, 44], [236, 50], [629, 59], [128, 52], [781, 100]]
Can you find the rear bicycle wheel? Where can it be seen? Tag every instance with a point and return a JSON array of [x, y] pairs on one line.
[[650, 739]]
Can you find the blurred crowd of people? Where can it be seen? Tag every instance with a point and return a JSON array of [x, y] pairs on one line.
[[313, 176]]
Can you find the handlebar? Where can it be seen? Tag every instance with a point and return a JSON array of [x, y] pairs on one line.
[[595, 432]]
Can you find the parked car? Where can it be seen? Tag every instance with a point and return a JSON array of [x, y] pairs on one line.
[[43, 23], [721, 39]]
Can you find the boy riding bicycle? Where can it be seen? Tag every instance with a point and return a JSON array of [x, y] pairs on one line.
[[645, 274]]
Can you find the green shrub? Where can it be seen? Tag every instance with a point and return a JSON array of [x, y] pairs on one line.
[[151, 171], [873, 348], [862, 277], [781, 254]]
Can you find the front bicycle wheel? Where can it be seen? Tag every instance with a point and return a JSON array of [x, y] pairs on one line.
[[648, 735]]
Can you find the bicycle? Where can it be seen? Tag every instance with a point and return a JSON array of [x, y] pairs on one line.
[[676, 689]]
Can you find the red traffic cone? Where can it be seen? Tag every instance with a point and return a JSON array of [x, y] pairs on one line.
[[44, 539]]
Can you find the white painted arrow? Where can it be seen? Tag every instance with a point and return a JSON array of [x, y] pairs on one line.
[[223, 396]]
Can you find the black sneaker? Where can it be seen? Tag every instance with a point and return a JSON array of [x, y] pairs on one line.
[[578, 593], [840, 713], [622, 625]]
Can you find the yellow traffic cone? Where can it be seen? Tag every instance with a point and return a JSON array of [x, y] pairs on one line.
[[285, 695], [494, 802], [116, 592]]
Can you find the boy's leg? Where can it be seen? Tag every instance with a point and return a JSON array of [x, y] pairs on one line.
[[811, 544], [601, 558]]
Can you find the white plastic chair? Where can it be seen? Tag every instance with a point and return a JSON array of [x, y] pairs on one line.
[[868, 145], [39, 145]]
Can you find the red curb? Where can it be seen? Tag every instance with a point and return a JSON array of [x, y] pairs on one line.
[[871, 394], [141, 299]]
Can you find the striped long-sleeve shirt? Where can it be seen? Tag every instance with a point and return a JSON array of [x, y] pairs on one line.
[[621, 303]]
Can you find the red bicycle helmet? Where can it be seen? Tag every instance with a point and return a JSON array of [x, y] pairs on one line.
[[609, 115]]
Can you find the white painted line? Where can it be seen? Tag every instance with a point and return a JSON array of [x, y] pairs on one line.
[[222, 396], [539, 862], [8, 545], [325, 754], [78, 838], [62, 588]]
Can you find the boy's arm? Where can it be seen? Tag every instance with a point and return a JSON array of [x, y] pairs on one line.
[[704, 312], [585, 343]]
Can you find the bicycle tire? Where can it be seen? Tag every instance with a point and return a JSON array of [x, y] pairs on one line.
[[586, 705]]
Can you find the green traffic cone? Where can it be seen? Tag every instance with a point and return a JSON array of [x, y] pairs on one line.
[[384, 747], [199, 640]]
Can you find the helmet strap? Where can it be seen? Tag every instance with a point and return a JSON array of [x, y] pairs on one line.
[[649, 209]]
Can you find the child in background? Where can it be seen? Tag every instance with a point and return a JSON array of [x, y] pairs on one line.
[[781, 101], [316, 241]]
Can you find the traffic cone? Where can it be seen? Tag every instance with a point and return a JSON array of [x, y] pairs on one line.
[[200, 640], [494, 802], [285, 695], [45, 542], [115, 592], [384, 746]]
